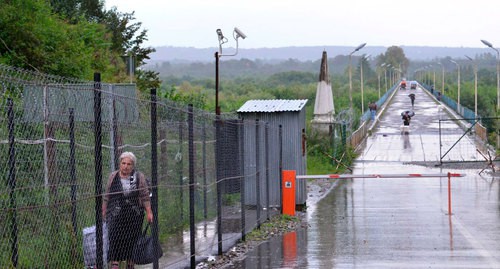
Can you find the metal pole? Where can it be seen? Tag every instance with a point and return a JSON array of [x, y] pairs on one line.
[[449, 193], [98, 169], [378, 77], [154, 173], [204, 154], [12, 185], [192, 223], [217, 108], [241, 130], [385, 78], [458, 86], [498, 79], [350, 82], [362, 86], [72, 167], [218, 175]]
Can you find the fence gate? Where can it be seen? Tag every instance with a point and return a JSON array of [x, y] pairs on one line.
[[463, 140]]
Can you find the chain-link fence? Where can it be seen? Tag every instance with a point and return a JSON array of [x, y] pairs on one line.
[[61, 139]]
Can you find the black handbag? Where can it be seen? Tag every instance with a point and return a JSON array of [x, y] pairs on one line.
[[145, 251]]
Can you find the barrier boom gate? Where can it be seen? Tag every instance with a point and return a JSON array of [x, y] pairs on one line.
[[289, 177]]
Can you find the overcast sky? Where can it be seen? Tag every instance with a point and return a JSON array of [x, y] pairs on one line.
[[283, 23]]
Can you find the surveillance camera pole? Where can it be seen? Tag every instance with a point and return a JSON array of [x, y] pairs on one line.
[[236, 34], [217, 108]]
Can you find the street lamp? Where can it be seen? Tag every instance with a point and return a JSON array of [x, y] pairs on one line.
[[433, 77], [350, 71], [458, 89], [391, 73], [365, 57], [237, 33], [475, 85], [384, 65], [442, 77], [498, 71]]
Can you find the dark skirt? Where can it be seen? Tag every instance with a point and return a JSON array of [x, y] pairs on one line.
[[124, 228]]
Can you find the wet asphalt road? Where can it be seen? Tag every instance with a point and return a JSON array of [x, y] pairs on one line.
[[399, 222]]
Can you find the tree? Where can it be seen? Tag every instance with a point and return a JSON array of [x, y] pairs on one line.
[[127, 40], [33, 37], [394, 56]]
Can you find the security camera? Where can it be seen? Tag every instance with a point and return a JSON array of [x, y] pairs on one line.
[[219, 34], [239, 33]]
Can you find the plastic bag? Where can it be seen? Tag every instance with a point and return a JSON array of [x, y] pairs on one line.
[[89, 245]]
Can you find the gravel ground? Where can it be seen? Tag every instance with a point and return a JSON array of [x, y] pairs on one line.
[[278, 225]]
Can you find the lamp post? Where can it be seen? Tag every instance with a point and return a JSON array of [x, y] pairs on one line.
[[350, 71], [442, 77], [384, 65], [237, 33], [498, 84], [475, 85], [391, 74], [433, 77], [498, 70], [365, 57], [378, 80], [399, 74], [458, 87]]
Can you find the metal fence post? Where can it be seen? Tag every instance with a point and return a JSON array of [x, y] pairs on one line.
[[154, 172], [241, 130], [192, 223], [72, 168], [98, 169], [12, 184], [218, 174], [204, 160], [180, 168]]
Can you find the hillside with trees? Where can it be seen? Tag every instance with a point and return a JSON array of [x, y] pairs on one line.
[[80, 37], [73, 39]]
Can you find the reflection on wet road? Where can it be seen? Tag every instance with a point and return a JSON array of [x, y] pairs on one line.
[[397, 222]]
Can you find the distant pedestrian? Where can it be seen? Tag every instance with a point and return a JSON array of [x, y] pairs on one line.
[[373, 109], [439, 96], [406, 118], [432, 89], [412, 98]]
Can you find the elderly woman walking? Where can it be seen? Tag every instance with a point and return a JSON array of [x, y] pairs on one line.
[[124, 202]]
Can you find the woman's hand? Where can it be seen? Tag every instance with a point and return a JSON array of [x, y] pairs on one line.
[[149, 214], [103, 211]]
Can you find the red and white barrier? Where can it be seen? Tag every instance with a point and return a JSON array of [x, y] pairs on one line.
[[350, 176]]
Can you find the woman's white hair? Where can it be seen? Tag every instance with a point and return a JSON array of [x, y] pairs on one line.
[[130, 155]]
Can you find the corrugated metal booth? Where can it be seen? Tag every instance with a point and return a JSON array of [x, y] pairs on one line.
[[261, 116]]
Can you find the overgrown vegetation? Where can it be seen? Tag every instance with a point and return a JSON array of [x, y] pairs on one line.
[[276, 225]]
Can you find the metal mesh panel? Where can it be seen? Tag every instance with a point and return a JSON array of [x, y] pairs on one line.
[[56, 168], [458, 142]]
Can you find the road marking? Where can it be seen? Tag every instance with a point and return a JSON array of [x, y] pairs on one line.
[[475, 243]]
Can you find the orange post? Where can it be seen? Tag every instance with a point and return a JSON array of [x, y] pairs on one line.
[[288, 190], [449, 193]]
